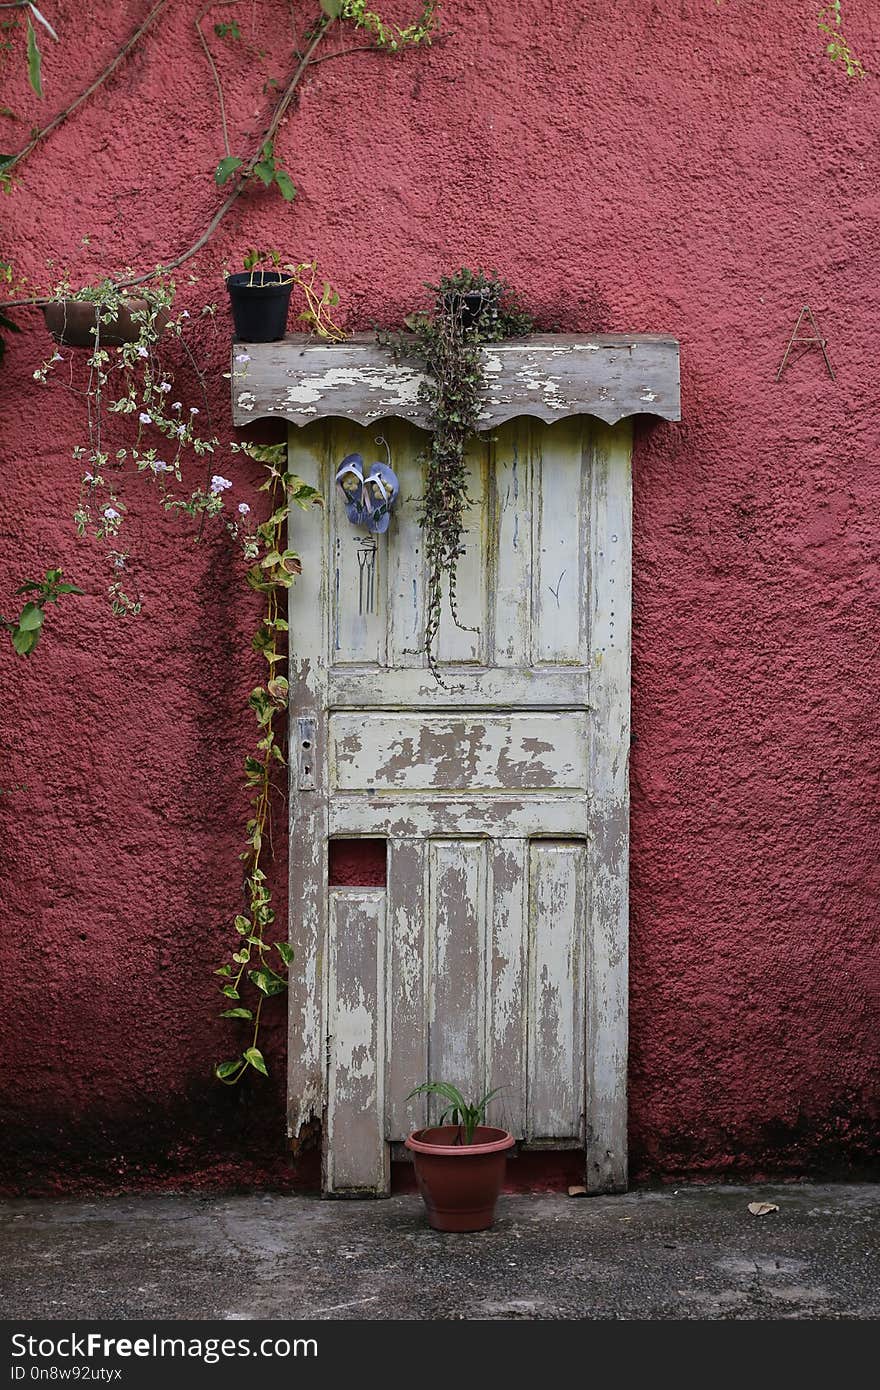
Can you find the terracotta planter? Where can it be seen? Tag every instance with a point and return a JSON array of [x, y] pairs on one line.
[[71, 321], [460, 1183]]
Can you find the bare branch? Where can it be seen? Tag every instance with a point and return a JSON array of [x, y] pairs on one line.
[[343, 52], [83, 96], [213, 66]]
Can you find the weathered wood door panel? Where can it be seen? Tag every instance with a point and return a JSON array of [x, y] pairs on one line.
[[496, 954]]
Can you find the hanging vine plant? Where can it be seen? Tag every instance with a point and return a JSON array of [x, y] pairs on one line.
[[470, 308]]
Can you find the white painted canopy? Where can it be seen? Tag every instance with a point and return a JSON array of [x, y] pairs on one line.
[[549, 376]]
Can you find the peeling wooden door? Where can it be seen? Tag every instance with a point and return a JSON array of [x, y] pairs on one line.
[[496, 955]]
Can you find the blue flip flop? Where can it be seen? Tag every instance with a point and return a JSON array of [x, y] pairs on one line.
[[350, 480], [380, 491]]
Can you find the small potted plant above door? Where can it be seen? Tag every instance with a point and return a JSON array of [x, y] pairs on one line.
[[260, 298], [459, 1166], [102, 313]]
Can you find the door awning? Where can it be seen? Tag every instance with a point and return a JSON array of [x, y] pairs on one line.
[[549, 376]]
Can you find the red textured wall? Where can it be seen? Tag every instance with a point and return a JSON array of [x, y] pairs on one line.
[[677, 167]]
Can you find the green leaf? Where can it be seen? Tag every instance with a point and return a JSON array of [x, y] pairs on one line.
[[332, 8], [236, 1013], [285, 186], [265, 171], [255, 1057], [69, 589], [440, 1088], [267, 982], [31, 617], [284, 951], [34, 59], [24, 642], [224, 1069], [226, 168], [230, 991], [242, 925], [224, 970]]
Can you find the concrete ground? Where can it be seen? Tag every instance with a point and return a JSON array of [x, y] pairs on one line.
[[690, 1253]]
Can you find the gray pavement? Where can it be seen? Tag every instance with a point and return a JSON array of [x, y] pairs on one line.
[[691, 1253]]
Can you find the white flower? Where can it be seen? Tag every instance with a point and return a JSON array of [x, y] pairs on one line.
[[119, 562], [177, 406], [181, 430], [164, 386], [111, 514], [242, 357], [219, 484], [185, 314], [159, 467], [145, 418], [142, 351], [243, 508], [193, 410], [88, 477], [56, 357]]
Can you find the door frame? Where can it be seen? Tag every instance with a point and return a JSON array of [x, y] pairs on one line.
[[607, 967]]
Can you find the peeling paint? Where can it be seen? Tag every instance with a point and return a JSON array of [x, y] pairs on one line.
[[506, 942], [544, 376]]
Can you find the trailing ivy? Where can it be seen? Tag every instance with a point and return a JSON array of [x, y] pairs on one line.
[[470, 308], [254, 973]]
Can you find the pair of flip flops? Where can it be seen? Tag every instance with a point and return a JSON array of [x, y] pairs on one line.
[[368, 499]]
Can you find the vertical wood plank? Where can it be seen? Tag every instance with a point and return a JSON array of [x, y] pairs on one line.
[[608, 932], [457, 915], [510, 553], [406, 585], [407, 1045], [506, 985], [560, 548], [457, 644], [356, 1155], [308, 616], [359, 563], [556, 990]]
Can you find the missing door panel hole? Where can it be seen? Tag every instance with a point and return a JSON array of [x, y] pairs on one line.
[[358, 864]]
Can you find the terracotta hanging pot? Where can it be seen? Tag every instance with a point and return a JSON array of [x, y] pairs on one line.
[[72, 322], [460, 1182]]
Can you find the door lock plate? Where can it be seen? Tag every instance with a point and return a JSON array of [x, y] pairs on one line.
[[306, 753]]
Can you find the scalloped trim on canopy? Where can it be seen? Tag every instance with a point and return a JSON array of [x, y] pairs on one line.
[[549, 376]]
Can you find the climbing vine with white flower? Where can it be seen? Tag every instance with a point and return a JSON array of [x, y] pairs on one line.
[[138, 426], [135, 425]]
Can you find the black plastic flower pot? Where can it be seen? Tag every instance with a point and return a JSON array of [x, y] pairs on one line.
[[466, 306], [259, 305]]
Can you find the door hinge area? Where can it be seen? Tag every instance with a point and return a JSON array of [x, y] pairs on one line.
[[306, 752]]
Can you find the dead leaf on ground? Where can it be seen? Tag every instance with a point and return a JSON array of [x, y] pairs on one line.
[[577, 1192], [762, 1208]]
